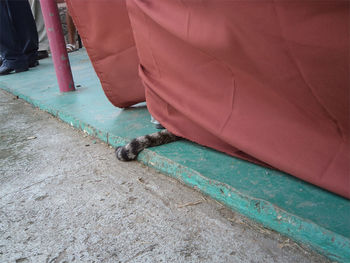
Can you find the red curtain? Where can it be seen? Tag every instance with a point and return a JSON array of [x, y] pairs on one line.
[[261, 80]]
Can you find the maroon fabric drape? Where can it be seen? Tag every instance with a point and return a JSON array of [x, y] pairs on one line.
[[105, 29], [261, 80]]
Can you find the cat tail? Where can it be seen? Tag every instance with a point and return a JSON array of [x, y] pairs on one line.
[[131, 150]]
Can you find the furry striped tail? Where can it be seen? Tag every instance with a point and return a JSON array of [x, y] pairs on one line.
[[130, 151]]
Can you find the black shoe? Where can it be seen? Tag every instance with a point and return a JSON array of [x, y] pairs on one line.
[[34, 64], [42, 54], [6, 70]]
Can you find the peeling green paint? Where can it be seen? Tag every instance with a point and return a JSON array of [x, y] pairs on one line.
[[280, 202]]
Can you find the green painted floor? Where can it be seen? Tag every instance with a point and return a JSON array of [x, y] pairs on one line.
[[281, 202]]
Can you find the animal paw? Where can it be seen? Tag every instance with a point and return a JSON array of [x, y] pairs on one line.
[[123, 154]]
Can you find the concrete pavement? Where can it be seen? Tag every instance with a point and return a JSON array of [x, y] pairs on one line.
[[65, 198]]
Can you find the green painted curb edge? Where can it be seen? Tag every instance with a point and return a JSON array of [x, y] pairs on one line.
[[330, 244]]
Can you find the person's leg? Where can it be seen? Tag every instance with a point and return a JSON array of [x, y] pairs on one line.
[[72, 33], [10, 45], [40, 26], [24, 24], [71, 29]]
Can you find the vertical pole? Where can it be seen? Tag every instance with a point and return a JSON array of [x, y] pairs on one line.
[[57, 45]]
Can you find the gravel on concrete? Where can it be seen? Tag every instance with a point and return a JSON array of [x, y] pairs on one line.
[[65, 198]]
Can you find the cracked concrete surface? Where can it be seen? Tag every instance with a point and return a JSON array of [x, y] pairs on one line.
[[65, 198]]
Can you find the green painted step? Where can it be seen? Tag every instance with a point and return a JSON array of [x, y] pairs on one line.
[[279, 201]]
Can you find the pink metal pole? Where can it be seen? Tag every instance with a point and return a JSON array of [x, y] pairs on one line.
[[57, 45]]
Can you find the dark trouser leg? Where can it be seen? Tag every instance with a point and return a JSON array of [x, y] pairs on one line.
[[18, 35], [10, 46], [24, 23]]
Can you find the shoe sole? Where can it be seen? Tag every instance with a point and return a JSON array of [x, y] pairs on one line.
[[34, 64], [21, 70]]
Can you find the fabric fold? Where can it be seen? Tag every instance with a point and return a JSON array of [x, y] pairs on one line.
[[267, 81]]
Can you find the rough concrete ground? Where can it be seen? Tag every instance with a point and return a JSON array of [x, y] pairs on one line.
[[65, 198]]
